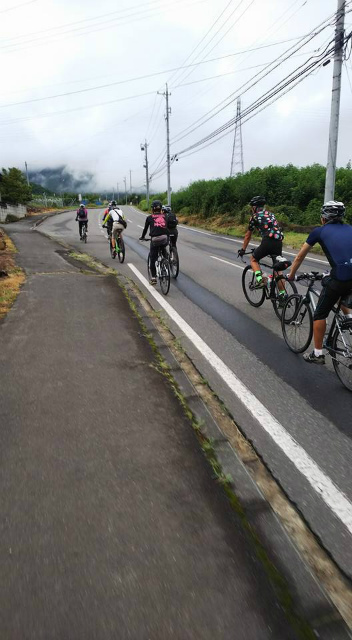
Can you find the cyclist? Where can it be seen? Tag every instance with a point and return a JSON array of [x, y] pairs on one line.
[[157, 225], [172, 222], [271, 244], [82, 218], [116, 219], [335, 239], [107, 223]]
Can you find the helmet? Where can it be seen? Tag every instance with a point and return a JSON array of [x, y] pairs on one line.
[[166, 208], [113, 203], [333, 210], [82, 206], [156, 204], [257, 201]]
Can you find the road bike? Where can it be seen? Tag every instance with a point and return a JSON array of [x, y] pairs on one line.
[[119, 250], [297, 327], [84, 233], [269, 290], [173, 259], [163, 272]]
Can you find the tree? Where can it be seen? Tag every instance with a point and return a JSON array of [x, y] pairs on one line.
[[14, 187]]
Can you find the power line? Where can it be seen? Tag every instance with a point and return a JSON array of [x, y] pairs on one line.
[[18, 6], [240, 90]]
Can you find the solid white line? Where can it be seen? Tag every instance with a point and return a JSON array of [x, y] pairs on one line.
[[205, 233], [321, 483], [238, 266]]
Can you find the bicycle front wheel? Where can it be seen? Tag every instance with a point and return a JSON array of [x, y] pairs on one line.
[[148, 267], [290, 289], [254, 295], [112, 251], [165, 276], [341, 352], [297, 324], [174, 262], [122, 250]]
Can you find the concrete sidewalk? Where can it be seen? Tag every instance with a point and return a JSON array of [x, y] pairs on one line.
[[112, 525]]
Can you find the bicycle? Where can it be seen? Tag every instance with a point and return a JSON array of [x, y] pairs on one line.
[[84, 233], [119, 250], [173, 259], [297, 328], [163, 272], [270, 291]]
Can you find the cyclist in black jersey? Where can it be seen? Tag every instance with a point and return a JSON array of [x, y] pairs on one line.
[[335, 238], [271, 244]]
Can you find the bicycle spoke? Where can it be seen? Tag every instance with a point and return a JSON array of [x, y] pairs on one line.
[[341, 352]]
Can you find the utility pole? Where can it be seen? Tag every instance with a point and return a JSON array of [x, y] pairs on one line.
[[167, 118], [125, 189], [118, 193], [27, 173], [237, 149], [144, 147], [130, 182], [335, 102]]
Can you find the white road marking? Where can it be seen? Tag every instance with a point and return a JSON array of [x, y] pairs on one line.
[[140, 226], [238, 266], [333, 497], [205, 233], [131, 221]]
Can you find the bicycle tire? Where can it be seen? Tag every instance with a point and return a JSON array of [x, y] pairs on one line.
[[85, 238], [174, 262], [342, 365], [122, 252], [290, 289], [148, 267], [294, 314], [165, 276], [254, 296]]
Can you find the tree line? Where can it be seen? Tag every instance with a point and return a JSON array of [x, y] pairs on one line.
[[294, 194]]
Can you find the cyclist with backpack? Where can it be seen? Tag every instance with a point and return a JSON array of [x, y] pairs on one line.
[[159, 233], [82, 218], [116, 218], [172, 222]]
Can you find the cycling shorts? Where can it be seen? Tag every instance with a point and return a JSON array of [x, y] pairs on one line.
[[268, 247], [331, 292], [117, 227]]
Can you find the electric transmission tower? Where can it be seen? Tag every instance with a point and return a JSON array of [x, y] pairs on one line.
[[237, 165]]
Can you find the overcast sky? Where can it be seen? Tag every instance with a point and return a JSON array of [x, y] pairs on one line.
[[54, 47]]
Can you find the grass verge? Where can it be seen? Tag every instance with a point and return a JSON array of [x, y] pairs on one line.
[[9, 285]]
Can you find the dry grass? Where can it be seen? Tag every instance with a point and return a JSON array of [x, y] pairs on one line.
[[9, 285]]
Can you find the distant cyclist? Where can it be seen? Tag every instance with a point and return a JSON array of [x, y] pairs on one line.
[[116, 218], [107, 222], [157, 225], [335, 238], [82, 218], [172, 222], [271, 239]]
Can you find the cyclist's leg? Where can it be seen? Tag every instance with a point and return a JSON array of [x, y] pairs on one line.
[[259, 253], [330, 294], [153, 257], [113, 235]]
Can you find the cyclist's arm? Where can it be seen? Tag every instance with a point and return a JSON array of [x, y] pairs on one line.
[[246, 239], [146, 227], [298, 260]]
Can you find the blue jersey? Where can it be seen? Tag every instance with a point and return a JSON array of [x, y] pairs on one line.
[[335, 238]]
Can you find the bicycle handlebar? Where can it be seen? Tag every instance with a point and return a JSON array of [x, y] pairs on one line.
[[313, 275]]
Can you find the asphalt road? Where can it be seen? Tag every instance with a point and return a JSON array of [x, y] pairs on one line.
[[298, 416]]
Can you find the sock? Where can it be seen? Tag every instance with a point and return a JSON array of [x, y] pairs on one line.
[[318, 352], [282, 293], [258, 275]]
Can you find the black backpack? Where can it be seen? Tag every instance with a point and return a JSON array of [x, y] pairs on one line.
[[172, 221]]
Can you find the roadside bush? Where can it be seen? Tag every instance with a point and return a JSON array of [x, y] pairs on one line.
[[143, 205], [11, 218]]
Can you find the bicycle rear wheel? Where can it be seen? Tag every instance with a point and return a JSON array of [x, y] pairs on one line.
[[164, 276], [290, 289], [174, 262], [122, 250], [254, 295], [297, 324], [341, 353], [148, 267]]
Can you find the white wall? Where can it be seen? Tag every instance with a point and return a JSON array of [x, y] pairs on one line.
[[19, 211]]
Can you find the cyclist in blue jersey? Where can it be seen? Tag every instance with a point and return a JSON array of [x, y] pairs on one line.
[[335, 238], [271, 244]]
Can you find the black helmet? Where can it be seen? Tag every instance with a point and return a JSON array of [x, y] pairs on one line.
[[333, 210], [113, 203], [156, 204], [257, 201]]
